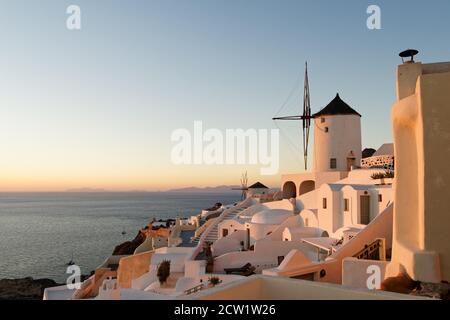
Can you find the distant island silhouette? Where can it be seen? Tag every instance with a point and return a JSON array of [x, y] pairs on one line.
[[222, 188], [87, 190]]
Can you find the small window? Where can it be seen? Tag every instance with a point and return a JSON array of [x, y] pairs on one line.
[[326, 129], [324, 203], [322, 120], [346, 205], [380, 198], [333, 163]]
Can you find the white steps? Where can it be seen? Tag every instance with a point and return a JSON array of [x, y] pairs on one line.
[[213, 234]]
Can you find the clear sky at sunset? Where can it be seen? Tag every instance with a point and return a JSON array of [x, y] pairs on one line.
[[96, 107]]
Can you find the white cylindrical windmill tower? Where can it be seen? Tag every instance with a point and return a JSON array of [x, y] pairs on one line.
[[337, 137]]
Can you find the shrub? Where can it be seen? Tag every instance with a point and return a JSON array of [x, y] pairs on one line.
[[163, 271], [214, 281], [383, 175], [377, 175]]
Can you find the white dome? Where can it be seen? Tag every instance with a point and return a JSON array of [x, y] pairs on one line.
[[271, 216]]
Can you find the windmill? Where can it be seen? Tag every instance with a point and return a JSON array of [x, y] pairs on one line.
[[305, 117], [244, 185]]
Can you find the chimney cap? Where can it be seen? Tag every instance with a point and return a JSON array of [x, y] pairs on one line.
[[408, 53]]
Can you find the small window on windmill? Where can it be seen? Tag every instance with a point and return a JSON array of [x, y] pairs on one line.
[[322, 120], [326, 129], [324, 203], [333, 163], [380, 198]]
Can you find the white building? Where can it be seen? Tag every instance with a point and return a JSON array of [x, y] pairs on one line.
[[337, 147]]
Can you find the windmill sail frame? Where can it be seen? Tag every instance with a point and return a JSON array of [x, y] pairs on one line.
[[305, 117]]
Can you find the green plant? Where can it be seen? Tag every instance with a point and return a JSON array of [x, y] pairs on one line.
[[163, 271], [377, 175], [214, 281], [383, 175]]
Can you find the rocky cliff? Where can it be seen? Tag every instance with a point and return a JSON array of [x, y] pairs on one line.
[[24, 289], [128, 247]]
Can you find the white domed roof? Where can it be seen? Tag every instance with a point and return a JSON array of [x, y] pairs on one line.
[[271, 216]]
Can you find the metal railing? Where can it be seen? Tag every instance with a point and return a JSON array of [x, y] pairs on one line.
[[194, 289], [374, 251]]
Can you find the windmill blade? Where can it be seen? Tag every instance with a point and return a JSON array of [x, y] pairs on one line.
[[306, 117], [303, 117]]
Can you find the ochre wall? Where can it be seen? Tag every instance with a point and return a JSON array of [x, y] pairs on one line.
[[133, 267], [435, 100], [421, 125]]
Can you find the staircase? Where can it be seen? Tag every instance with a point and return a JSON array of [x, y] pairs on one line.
[[213, 233]]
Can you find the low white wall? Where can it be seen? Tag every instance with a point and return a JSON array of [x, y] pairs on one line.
[[277, 233], [230, 243], [145, 280], [231, 225], [259, 231], [194, 268], [355, 272], [298, 233], [249, 212], [186, 283], [284, 204], [274, 288], [293, 259], [264, 256]]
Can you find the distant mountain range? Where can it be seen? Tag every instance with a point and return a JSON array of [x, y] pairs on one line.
[[221, 189], [86, 190]]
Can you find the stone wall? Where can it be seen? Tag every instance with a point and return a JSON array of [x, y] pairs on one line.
[[386, 162]]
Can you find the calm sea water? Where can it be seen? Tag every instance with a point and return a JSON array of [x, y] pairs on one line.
[[39, 232]]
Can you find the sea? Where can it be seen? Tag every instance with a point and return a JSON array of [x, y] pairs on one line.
[[41, 232]]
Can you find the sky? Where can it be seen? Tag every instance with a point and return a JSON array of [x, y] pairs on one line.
[[96, 107]]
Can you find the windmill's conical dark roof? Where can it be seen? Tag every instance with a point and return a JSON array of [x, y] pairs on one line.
[[258, 185], [336, 107]]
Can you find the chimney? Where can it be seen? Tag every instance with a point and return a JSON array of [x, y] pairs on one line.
[[407, 74], [408, 53]]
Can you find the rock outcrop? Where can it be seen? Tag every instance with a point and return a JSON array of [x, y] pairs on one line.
[[128, 247], [403, 283], [433, 290], [24, 289]]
